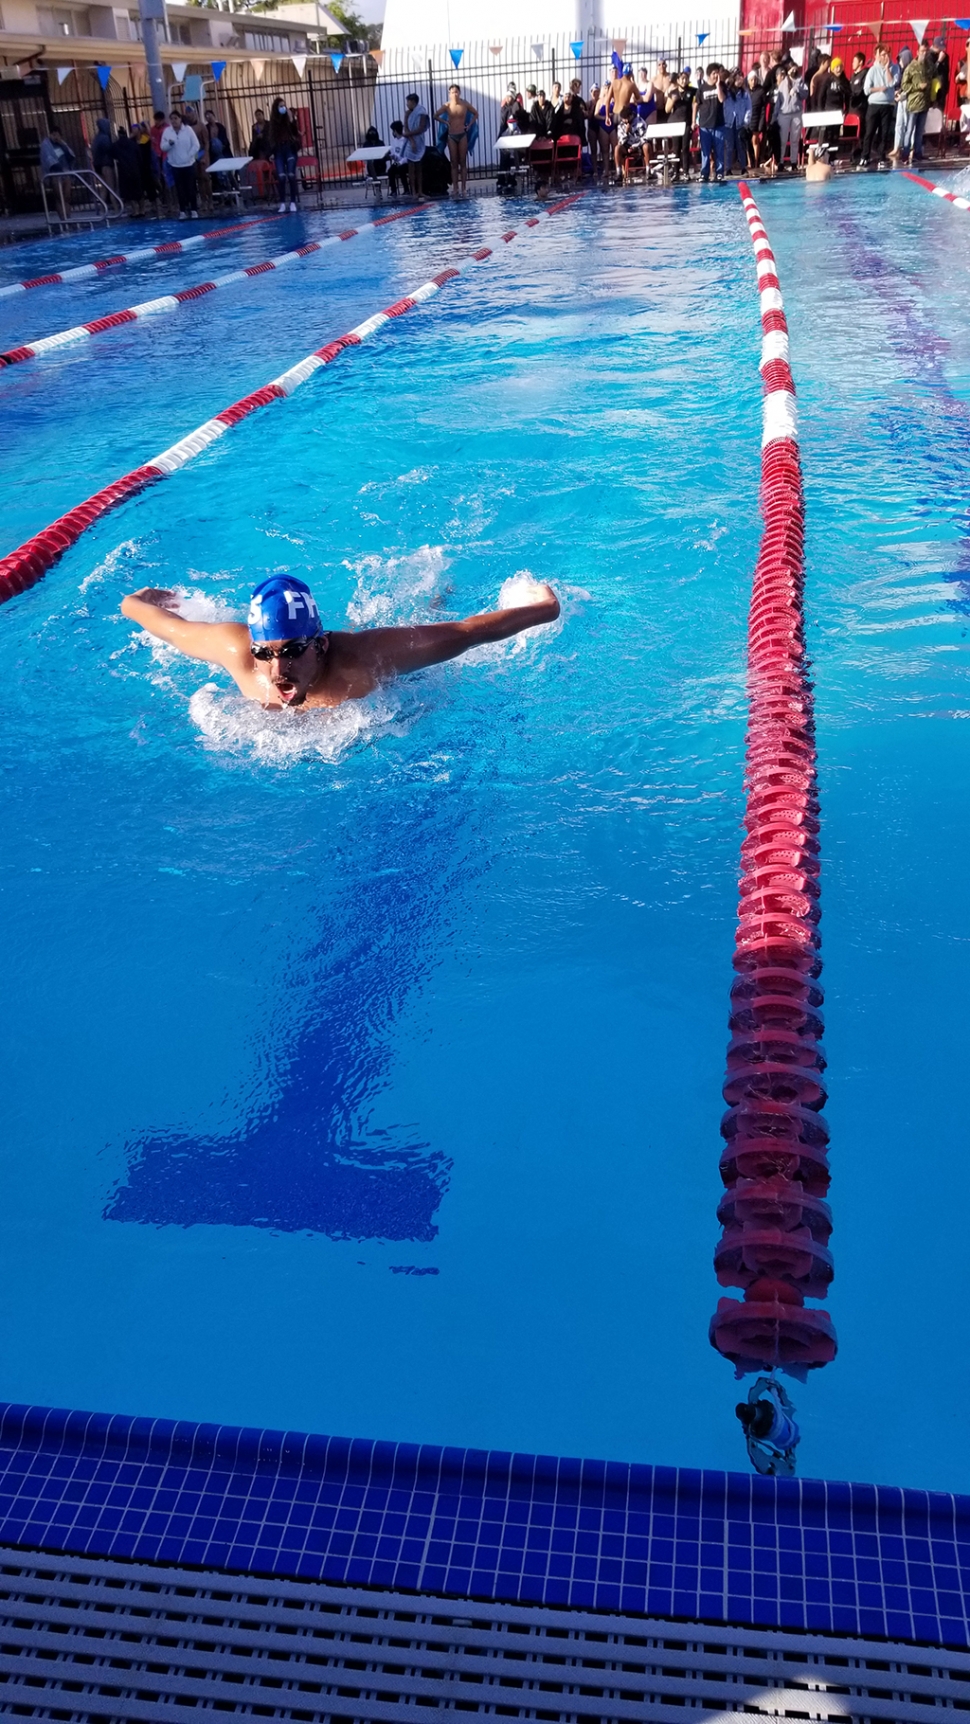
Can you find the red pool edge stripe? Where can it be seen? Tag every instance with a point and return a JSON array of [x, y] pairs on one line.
[[28, 564], [774, 1165]]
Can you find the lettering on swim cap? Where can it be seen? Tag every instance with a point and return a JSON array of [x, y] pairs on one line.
[[283, 608]]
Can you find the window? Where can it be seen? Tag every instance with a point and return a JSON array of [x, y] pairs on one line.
[[59, 21]]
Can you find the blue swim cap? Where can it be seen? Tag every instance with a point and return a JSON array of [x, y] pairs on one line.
[[627, 69], [283, 609]]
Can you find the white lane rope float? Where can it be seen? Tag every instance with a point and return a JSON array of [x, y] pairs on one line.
[[23, 567], [174, 301], [938, 191], [169, 249]]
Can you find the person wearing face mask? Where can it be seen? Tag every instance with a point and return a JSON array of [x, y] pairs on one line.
[[284, 137]]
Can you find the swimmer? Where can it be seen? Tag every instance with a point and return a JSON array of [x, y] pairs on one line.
[[285, 658]]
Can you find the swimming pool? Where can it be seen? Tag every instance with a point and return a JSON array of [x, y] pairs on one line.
[[368, 1069]]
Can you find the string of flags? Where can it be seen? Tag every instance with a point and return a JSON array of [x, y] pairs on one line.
[[577, 48], [456, 54]]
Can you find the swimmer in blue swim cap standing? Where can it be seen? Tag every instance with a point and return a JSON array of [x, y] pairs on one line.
[[282, 656]]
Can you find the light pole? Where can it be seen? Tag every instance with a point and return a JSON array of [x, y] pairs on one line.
[[152, 13]]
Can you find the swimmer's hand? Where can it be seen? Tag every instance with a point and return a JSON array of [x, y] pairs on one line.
[[164, 597]]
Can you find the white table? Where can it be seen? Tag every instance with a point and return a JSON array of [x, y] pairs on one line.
[[512, 145], [229, 165], [667, 129], [225, 173]]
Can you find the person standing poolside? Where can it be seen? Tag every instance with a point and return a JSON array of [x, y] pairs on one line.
[[459, 116], [915, 91], [284, 137], [180, 146], [790, 93], [416, 123], [709, 120], [282, 657], [881, 81]]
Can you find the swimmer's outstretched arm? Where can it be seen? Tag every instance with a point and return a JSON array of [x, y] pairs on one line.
[[393, 652], [152, 609]]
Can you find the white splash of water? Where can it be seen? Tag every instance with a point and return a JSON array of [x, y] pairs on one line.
[[231, 724], [398, 590]]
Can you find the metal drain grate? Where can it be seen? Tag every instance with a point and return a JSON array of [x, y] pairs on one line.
[[83, 1639]]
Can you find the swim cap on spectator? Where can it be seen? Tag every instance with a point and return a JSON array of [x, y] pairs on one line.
[[283, 609], [627, 69]]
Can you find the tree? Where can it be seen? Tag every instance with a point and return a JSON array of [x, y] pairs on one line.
[[354, 27]]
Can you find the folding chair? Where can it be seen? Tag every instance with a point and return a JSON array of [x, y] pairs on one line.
[[568, 157], [542, 158]]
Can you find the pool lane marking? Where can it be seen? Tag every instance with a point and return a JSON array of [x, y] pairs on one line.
[[774, 1163], [169, 249], [938, 192], [174, 301], [31, 561]]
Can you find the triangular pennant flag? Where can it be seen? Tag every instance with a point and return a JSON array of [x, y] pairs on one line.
[[179, 67], [377, 55], [797, 53], [962, 23], [834, 29], [789, 22], [259, 67], [577, 48], [299, 61], [538, 49], [702, 36], [918, 27], [218, 67], [104, 74], [496, 48], [456, 54], [336, 61], [63, 72], [619, 44]]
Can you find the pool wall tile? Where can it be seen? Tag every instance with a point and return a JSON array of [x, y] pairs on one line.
[[719, 1547]]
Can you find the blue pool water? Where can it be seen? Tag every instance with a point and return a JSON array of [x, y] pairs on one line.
[[366, 1067]]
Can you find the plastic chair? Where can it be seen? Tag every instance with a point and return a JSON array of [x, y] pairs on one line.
[[935, 128], [568, 157], [308, 168], [634, 162], [542, 158], [262, 177]]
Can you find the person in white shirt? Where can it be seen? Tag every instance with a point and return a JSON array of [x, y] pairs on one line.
[[397, 168], [416, 123], [180, 146]]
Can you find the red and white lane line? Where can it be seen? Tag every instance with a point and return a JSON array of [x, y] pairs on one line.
[[938, 192], [774, 1165], [32, 560], [172, 301], [168, 250]]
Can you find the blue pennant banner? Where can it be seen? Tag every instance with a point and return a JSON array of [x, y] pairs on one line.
[[702, 36], [218, 67], [577, 48], [104, 73], [456, 54], [336, 61]]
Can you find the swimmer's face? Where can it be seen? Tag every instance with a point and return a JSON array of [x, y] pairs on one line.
[[292, 675]]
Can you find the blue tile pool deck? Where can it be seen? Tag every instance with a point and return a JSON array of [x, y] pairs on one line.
[[671, 1542]]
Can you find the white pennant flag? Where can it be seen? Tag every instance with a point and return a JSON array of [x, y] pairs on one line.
[[797, 53], [919, 27], [299, 61], [259, 67], [63, 72], [180, 67], [789, 22], [538, 50]]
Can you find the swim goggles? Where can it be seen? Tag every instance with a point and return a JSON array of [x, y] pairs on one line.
[[289, 649]]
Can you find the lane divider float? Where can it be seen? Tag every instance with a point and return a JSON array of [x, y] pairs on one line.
[[776, 1224], [173, 301], [938, 192], [169, 249], [23, 567]]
